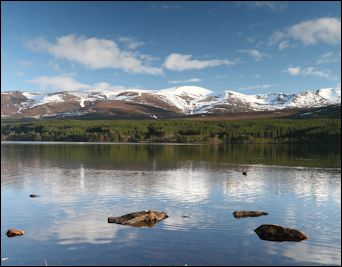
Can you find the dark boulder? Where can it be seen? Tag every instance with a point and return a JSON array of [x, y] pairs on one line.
[[33, 195], [277, 233], [14, 232], [244, 213], [139, 219]]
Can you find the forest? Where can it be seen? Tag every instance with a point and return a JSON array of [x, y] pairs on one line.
[[323, 131]]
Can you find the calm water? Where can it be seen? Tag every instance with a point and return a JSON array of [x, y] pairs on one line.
[[83, 184]]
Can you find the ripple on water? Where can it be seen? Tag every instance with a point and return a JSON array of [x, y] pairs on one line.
[[74, 205]]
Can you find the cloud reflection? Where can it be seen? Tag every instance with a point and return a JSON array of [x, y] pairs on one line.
[[76, 227], [244, 188], [314, 254], [76, 202]]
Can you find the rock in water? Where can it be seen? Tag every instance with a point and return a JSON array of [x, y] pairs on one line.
[[33, 195], [14, 232], [244, 213], [140, 219], [277, 233]]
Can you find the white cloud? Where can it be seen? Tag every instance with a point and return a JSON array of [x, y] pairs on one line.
[[329, 57], [148, 58], [54, 66], [325, 30], [260, 86], [192, 80], [60, 83], [19, 73], [68, 83], [322, 30], [294, 71], [171, 7], [103, 86], [283, 45], [93, 53], [25, 63], [257, 55], [179, 62], [318, 73], [167, 7], [270, 5], [251, 39], [310, 71], [130, 43], [276, 38]]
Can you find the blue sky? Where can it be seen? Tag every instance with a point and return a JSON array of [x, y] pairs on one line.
[[249, 47]]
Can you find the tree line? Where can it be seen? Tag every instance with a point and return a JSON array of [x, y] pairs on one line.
[[325, 131]]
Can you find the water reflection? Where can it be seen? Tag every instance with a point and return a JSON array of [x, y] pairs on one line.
[[153, 157], [183, 185], [76, 228], [78, 195], [245, 189], [82, 177], [329, 255]]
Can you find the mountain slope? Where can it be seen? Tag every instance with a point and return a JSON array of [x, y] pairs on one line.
[[331, 112], [177, 101]]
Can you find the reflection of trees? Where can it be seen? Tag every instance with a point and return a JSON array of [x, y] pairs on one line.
[[101, 168], [87, 165], [164, 172], [145, 157]]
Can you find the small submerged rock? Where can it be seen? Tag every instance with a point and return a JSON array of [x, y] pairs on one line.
[[251, 213], [277, 233], [139, 219], [33, 195], [14, 232]]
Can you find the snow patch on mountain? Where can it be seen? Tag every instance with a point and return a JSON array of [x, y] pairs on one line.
[[55, 98], [189, 99], [194, 91], [37, 97], [330, 94], [273, 101]]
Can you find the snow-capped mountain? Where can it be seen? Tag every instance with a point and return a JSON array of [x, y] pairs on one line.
[[233, 101], [184, 100]]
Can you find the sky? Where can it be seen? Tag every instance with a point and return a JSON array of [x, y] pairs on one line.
[[248, 47]]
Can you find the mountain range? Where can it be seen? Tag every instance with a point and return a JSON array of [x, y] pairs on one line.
[[166, 103]]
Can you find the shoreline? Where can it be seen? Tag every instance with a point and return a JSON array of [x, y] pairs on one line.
[[160, 143]]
